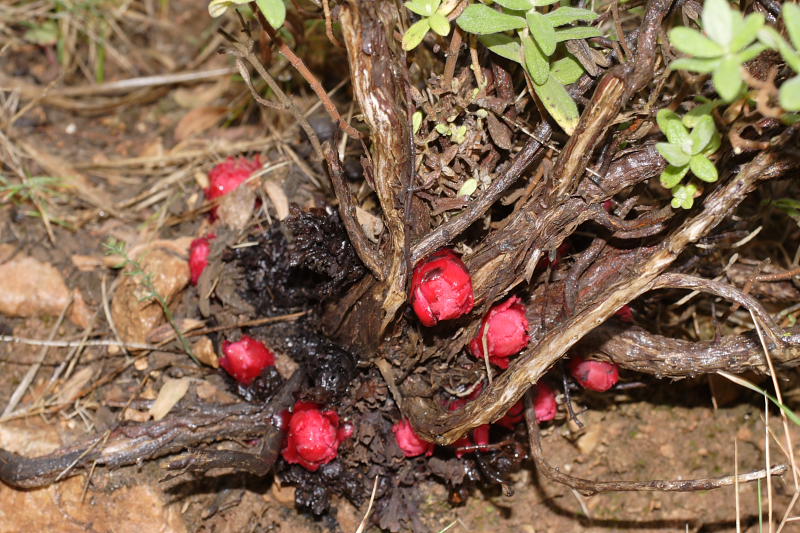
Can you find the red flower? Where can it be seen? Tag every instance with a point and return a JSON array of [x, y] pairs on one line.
[[508, 332], [625, 313], [199, 250], [594, 375], [229, 174], [245, 359], [544, 404], [314, 436], [441, 288], [480, 435], [408, 440]]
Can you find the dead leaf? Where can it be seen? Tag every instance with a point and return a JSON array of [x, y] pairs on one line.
[[278, 198], [71, 389], [166, 332], [203, 349], [171, 393], [236, 208], [372, 225], [501, 134], [198, 120]]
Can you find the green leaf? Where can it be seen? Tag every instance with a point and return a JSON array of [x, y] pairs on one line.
[[217, 7], [789, 94], [791, 415], [727, 78], [691, 118], [703, 168], [673, 175], [439, 24], [713, 145], [416, 121], [566, 70], [516, 5], [415, 33], [481, 20], [683, 195], [702, 133], [566, 15], [577, 32], [44, 34], [424, 8], [718, 21], [558, 103], [693, 43], [503, 45], [542, 31], [274, 11], [542, 3], [751, 52], [670, 123], [703, 65], [535, 60], [673, 153], [791, 17], [745, 34]]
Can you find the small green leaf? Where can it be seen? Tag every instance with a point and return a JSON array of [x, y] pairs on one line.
[[567, 15], [694, 115], [503, 45], [672, 175], [713, 144], [442, 128], [683, 195], [423, 8], [217, 7], [481, 20], [542, 31], [747, 32], [773, 39], [439, 24], [415, 33], [274, 11], [751, 52], [727, 78], [558, 103], [566, 70], [516, 5], [693, 43], [535, 60], [673, 153], [791, 17], [703, 168], [702, 133], [789, 94], [44, 34], [670, 123], [469, 187], [542, 3], [577, 32], [702, 65], [718, 21], [416, 121]]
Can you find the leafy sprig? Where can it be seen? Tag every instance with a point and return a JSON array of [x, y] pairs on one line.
[[691, 140], [727, 42], [273, 10], [434, 17], [536, 36], [789, 92]]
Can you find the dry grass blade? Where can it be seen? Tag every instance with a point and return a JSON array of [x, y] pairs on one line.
[[363, 524]]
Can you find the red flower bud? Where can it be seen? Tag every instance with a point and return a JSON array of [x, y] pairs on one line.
[[229, 174], [544, 405], [314, 436], [199, 250], [508, 332], [408, 440], [441, 288], [594, 375], [245, 359], [625, 313], [480, 435]]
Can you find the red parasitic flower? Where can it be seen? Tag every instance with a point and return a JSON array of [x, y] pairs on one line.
[[229, 174], [199, 251], [479, 435], [314, 436], [507, 335], [441, 288], [594, 375], [245, 359], [408, 440]]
